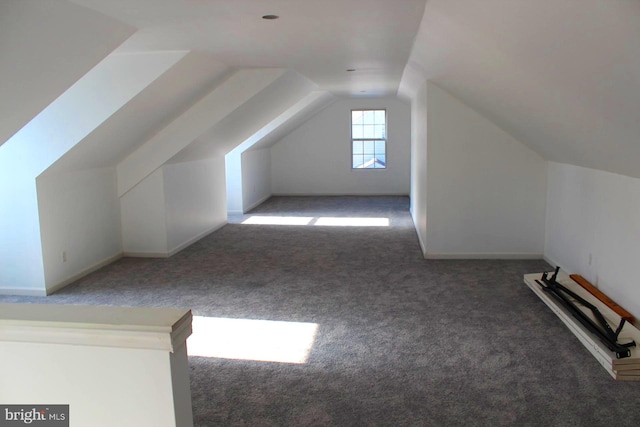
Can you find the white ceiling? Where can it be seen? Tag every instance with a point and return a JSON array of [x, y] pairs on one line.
[[163, 100], [319, 39]]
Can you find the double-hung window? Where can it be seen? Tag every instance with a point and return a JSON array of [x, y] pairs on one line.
[[369, 139]]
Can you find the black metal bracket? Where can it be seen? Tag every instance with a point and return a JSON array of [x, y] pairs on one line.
[[601, 329]]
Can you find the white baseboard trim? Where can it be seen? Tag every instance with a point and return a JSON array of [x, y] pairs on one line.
[[55, 288], [423, 247], [195, 239], [337, 194], [177, 248], [23, 292], [256, 204], [483, 255], [146, 254]]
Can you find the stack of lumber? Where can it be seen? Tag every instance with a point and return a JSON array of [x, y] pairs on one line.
[[625, 369]]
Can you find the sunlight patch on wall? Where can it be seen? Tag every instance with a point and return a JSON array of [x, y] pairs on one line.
[[248, 339]]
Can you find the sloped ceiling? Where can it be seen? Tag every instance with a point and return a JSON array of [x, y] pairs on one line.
[[302, 112], [319, 39], [195, 75], [563, 77], [249, 118], [45, 47]]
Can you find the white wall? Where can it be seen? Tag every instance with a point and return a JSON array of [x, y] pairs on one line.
[[486, 191], [256, 177], [593, 229], [35, 147], [195, 200], [79, 215], [233, 168], [144, 229], [418, 193], [315, 158], [173, 207]]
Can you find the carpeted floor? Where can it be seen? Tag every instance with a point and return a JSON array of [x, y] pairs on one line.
[[401, 341]]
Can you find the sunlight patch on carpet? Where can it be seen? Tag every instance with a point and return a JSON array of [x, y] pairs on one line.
[[277, 220], [248, 339], [325, 221]]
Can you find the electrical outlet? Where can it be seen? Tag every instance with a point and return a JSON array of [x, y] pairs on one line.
[[590, 258], [64, 256]]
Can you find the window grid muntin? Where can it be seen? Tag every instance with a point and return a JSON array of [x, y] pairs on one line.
[[368, 138]]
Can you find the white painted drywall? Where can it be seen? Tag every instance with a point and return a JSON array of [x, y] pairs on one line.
[[173, 207], [561, 77], [256, 177], [79, 215], [233, 168], [418, 195], [486, 192], [52, 133], [21, 264], [144, 229], [285, 114], [315, 158], [199, 118], [252, 120], [195, 200], [593, 229], [62, 38]]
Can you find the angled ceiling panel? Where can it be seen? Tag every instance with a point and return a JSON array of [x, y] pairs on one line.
[[45, 47], [562, 77]]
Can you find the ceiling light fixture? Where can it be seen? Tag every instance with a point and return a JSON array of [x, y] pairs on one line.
[[270, 17], [351, 70]]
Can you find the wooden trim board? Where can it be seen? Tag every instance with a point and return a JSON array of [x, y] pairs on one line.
[[602, 297], [616, 367]]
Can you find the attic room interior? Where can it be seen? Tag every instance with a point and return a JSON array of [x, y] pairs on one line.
[[208, 163]]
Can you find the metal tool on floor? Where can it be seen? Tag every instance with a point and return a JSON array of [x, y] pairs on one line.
[[599, 327]]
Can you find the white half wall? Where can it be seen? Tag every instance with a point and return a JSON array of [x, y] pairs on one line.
[[486, 192], [79, 223], [315, 158], [195, 200], [593, 229], [256, 177]]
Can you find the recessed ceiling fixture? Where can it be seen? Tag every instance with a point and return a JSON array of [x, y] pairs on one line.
[[271, 17], [351, 70]]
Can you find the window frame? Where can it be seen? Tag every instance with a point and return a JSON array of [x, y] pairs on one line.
[[385, 139]]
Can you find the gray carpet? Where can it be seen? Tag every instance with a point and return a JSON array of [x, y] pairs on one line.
[[402, 341]]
